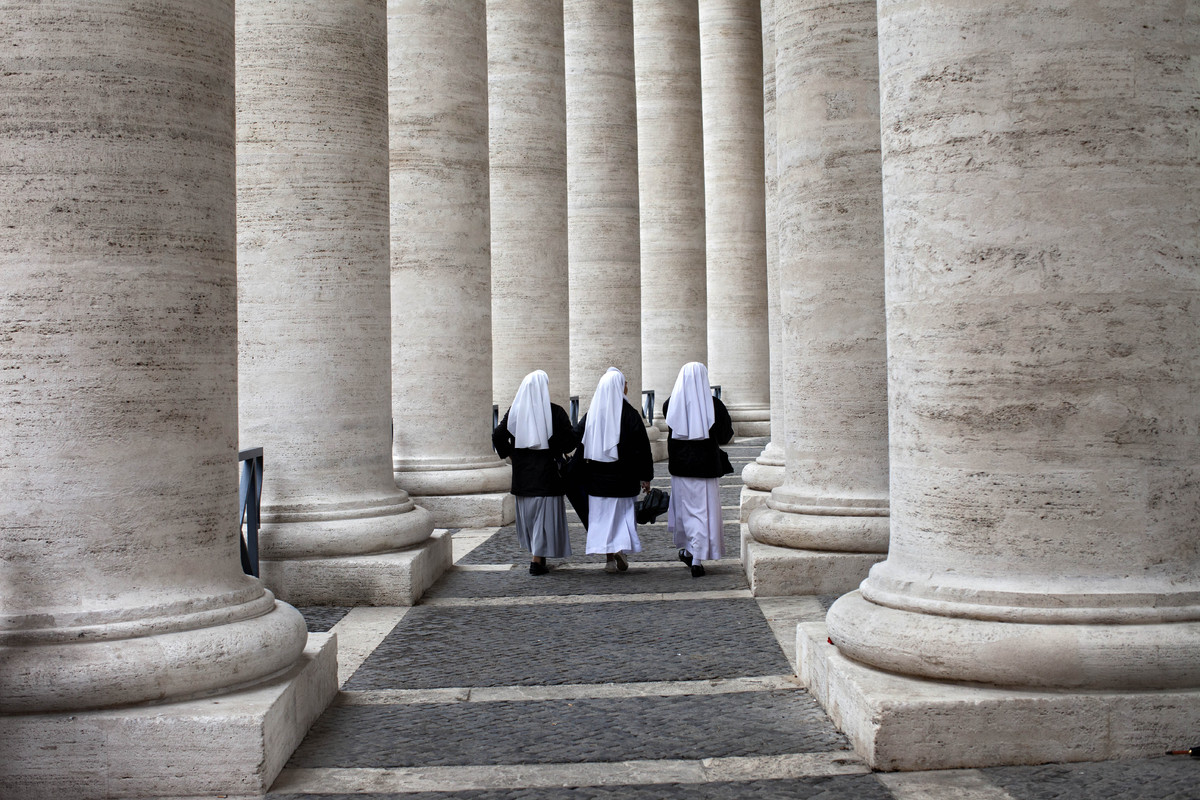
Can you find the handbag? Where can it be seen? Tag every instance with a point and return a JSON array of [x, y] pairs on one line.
[[651, 506]]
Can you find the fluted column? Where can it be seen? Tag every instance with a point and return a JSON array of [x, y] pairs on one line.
[[670, 135], [314, 318], [767, 472], [1044, 301], [738, 344], [527, 129], [834, 498], [118, 428], [441, 278]]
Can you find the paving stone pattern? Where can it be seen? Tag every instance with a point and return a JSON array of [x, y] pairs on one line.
[[532, 645], [570, 731], [836, 787], [550, 642]]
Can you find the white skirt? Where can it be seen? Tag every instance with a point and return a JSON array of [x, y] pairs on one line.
[[694, 517], [611, 525]]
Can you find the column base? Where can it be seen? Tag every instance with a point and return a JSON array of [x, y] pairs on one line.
[[751, 422], [492, 510], [786, 572], [380, 579], [896, 722], [751, 499], [229, 745]]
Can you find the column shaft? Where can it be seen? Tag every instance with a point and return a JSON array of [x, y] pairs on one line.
[[314, 319], [527, 130], [1044, 348], [602, 195], [835, 493], [671, 191], [118, 495], [441, 277], [738, 345]]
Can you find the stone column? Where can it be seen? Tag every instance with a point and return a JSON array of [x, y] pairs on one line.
[[671, 191], [119, 561], [314, 319], [602, 199], [828, 522], [441, 278], [527, 129], [735, 224], [1040, 174], [760, 477]]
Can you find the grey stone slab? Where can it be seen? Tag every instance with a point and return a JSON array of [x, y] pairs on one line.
[[320, 619], [834, 787], [531, 645], [517, 582], [575, 731], [1168, 778], [502, 547]]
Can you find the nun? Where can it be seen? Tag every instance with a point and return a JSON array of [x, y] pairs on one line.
[[536, 434], [697, 423], [617, 466]]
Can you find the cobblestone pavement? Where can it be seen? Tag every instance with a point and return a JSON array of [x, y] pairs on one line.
[[643, 685]]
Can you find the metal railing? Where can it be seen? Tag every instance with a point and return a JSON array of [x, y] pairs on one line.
[[250, 500], [716, 391], [574, 410], [648, 405]]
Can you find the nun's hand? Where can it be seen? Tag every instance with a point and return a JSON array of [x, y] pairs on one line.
[[645, 486]]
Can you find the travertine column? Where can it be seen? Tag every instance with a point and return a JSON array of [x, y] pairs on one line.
[[671, 191], [527, 128], [118, 455], [441, 281], [314, 319], [1043, 267], [834, 498], [738, 346], [602, 199], [760, 477]]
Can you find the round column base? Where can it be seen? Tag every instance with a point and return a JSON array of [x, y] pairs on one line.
[[421, 479], [1017, 655], [89, 668], [763, 477], [339, 531], [839, 533]]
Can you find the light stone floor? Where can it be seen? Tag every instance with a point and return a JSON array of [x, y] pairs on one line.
[[647, 684]]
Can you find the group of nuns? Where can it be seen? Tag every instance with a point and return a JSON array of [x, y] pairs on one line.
[[617, 466]]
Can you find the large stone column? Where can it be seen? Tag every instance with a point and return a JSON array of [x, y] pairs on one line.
[[119, 561], [828, 522], [527, 129], [670, 134], [1040, 174], [760, 477], [441, 278], [735, 224], [602, 199], [314, 319]]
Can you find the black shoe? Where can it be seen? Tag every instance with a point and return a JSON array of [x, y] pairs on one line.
[[697, 570], [685, 557], [536, 568]]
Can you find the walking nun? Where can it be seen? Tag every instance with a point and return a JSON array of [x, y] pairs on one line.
[[536, 434], [617, 465], [697, 423]]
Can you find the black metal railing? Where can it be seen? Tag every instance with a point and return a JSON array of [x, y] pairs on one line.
[[716, 391], [574, 410], [648, 405], [250, 500]]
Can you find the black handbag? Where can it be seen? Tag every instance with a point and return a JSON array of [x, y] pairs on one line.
[[651, 506]]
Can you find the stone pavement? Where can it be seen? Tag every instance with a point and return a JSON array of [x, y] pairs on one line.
[[641, 685]]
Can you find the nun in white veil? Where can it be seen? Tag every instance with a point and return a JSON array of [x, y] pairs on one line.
[[618, 465], [697, 423], [536, 433]]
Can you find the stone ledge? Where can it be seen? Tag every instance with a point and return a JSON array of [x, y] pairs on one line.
[[900, 723], [751, 499], [382, 579], [784, 572], [232, 744]]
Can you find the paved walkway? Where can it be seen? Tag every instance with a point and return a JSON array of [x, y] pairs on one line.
[[643, 685]]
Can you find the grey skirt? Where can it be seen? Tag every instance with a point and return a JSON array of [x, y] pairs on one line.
[[542, 526]]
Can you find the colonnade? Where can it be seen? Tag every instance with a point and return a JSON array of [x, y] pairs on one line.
[[973, 256]]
